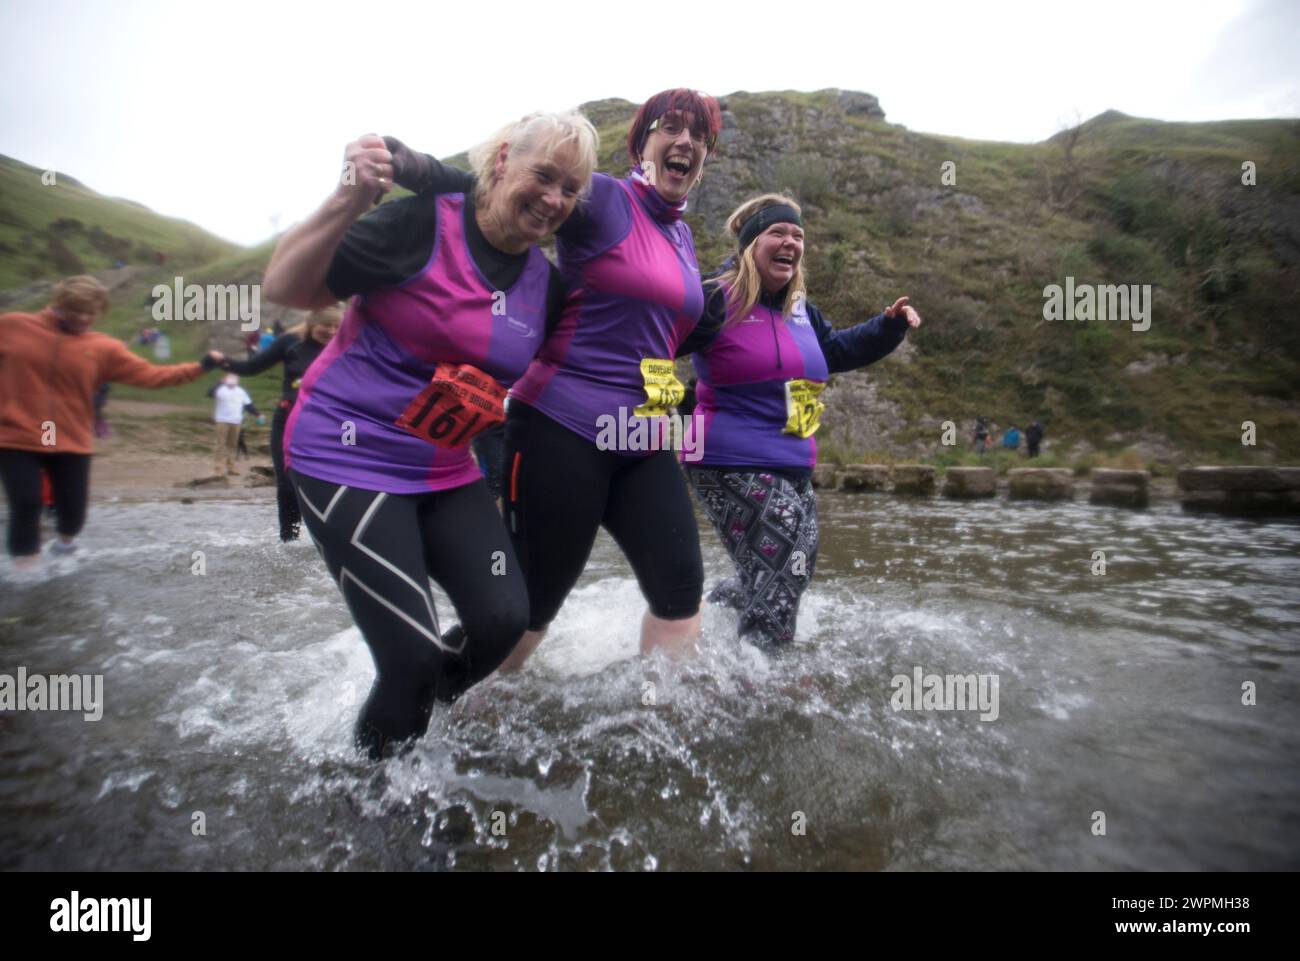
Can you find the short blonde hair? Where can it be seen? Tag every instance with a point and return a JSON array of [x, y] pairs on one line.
[[546, 132], [323, 315], [743, 279], [81, 292]]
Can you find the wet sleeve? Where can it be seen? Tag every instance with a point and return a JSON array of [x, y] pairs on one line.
[[423, 173]]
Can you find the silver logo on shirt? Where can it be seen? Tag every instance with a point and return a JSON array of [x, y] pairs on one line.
[[520, 328]]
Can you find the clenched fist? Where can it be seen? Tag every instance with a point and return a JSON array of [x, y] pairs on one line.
[[367, 172]]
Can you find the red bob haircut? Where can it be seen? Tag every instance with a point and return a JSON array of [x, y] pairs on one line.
[[704, 109]]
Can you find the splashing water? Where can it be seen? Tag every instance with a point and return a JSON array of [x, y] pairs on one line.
[[233, 694]]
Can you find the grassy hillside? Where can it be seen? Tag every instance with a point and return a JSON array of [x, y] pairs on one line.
[[53, 230]]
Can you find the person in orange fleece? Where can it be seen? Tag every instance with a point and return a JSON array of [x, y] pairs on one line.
[[51, 363]]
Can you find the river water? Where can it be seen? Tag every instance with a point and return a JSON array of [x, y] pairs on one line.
[[232, 695]]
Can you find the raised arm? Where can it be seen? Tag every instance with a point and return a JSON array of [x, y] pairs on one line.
[[424, 173], [863, 343], [296, 275]]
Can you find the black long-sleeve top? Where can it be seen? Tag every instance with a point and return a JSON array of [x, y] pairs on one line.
[[296, 353]]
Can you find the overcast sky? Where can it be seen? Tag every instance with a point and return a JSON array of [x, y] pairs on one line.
[[234, 114]]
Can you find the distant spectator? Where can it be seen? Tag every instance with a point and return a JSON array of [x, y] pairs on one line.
[[232, 401], [162, 347], [266, 340], [1034, 437], [981, 435], [1011, 439], [250, 343]]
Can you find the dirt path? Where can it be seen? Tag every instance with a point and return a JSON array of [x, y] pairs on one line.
[[157, 446], [118, 408]]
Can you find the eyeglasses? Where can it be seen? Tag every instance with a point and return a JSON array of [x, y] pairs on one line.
[[672, 125]]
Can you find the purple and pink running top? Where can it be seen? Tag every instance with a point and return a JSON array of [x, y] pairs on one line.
[[343, 427], [743, 366], [634, 292], [741, 396]]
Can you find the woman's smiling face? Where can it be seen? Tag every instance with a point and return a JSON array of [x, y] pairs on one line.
[[535, 192], [778, 252], [673, 155]]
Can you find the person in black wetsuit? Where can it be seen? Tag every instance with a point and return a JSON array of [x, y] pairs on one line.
[[296, 348]]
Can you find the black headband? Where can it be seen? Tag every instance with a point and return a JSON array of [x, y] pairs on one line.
[[757, 223]]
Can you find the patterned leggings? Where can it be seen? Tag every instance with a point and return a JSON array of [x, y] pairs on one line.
[[768, 523]]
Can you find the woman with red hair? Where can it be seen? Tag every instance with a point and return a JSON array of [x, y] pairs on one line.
[[633, 294]]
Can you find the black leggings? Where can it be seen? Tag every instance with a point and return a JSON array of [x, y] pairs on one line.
[[70, 480], [382, 549], [285, 498], [561, 489], [490, 452]]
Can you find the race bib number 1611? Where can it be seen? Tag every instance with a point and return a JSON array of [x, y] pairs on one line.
[[458, 403]]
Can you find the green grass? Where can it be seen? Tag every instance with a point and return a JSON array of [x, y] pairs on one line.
[[54, 230]]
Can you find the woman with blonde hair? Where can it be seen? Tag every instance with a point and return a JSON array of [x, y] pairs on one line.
[[297, 349], [762, 356], [451, 298]]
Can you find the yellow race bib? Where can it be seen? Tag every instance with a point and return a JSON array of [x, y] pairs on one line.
[[803, 409], [662, 388]]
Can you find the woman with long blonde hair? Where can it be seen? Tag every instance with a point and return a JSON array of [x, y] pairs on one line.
[[762, 357], [297, 349]]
